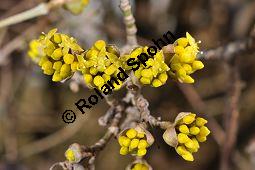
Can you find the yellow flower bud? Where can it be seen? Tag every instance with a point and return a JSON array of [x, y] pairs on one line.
[[146, 73], [131, 133], [188, 79], [87, 78], [156, 83], [181, 150], [48, 71], [106, 77], [163, 77], [204, 131], [98, 81], [100, 44], [141, 152], [138, 166], [126, 142], [184, 129], [182, 138], [195, 142], [197, 65], [70, 155], [68, 58], [49, 50], [93, 71], [121, 139], [194, 130], [181, 73], [145, 80], [186, 57], [188, 119], [190, 144], [178, 49], [176, 66], [57, 54], [47, 65], [200, 138], [124, 150], [74, 66], [65, 68], [57, 65], [57, 38], [138, 73], [140, 135], [110, 70], [200, 121], [182, 42], [56, 77], [187, 68], [188, 157], [142, 144], [134, 144]]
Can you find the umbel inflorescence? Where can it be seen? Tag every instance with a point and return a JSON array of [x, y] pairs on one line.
[[60, 56]]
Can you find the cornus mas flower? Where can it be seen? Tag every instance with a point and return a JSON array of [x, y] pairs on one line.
[[100, 63], [186, 133], [76, 6], [135, 141], [73, 154], [140, 166], [56, 54], [183, 62], [154, 73]]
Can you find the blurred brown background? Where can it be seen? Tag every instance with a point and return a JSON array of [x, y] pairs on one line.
[[32, 133]]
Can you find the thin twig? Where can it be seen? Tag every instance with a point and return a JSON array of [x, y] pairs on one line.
[[129, 21], [231, 119]]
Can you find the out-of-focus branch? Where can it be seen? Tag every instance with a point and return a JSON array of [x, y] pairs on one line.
[[231, 119], [52, 140], [39, 10], [232, 49], [19, 41]]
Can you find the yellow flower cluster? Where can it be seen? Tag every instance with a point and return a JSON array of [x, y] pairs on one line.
[[76, 6], [140, 166], [191, 131], [133, 142], [155, 71], [100, 63], [56, 54], [184, 62], [73, 154]]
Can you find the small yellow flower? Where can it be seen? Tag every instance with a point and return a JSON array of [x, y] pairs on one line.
[[190, 134], [155, 71], [56, 54], [183, 62], [186, 133], [100, 63], [134, 141], [73, 153]]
